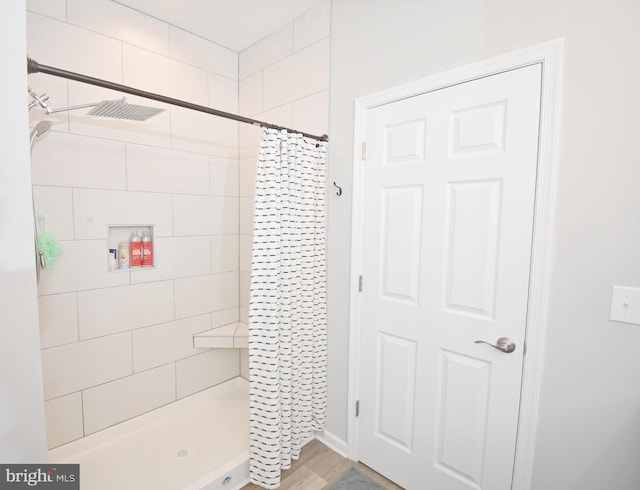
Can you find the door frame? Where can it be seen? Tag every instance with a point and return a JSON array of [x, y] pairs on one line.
[[549, 54]]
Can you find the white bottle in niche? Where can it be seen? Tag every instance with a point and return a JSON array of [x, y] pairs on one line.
[[135, 251], [147, 250], [123, 255], [113, 259]]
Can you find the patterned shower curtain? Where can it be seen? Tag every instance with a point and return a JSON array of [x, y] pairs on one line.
[[287, 309]]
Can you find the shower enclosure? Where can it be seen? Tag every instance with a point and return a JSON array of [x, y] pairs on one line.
[[118, 344]]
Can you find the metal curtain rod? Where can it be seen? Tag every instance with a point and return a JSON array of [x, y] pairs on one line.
[[35, 67]]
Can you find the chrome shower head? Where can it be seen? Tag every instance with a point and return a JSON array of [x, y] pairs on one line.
[[120, 109], [39, 129]]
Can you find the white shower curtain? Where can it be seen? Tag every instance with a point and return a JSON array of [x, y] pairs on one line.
[[287, 309]]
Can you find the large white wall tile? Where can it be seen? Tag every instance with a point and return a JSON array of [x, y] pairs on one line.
[[160, 344], [246, 215], [224, 253], [95, 209], [54, 211], [155, 131], [197, 51], [223, 93], [61, 45], [244, 363], [176, 257], [200, 132], [245, 284], [64, 419], [205, 294], [248, 169], [281, 115], [73, 367], [125, 398], [224, 317], [51, 8], [224, 176], [78, 161], [312, 26], [112, 310], [297, 76], [311, 114], [268, 50], [119, 22], [197, 215], [162, 170], [81, 265], [202, 371], [155, 73], [246, 244], [251, 95], [58, 319], [249, 144], [244, 315]]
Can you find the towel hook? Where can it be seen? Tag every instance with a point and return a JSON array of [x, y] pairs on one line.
[[339, 191]]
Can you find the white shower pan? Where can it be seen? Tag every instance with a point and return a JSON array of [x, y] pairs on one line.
[[199, 442]]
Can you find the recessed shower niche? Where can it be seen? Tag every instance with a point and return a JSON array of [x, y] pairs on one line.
[[130, 247]]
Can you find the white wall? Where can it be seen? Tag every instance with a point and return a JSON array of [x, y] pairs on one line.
[[22, 428], [118, 344], [589, 425]]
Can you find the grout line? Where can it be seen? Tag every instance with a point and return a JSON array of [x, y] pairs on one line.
[[77, 316], [170, 111], [82, 414], [173, 215], [211, 261], [175, 380], [133, 366], [126, 166], [209, 175], [73, 212], [121, 60], [270, 65], [174, 299], [169, 44]]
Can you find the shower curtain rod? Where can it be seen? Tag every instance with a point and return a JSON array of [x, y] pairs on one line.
[[35, 67]]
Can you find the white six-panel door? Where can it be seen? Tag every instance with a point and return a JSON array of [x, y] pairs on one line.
[[449, 187]]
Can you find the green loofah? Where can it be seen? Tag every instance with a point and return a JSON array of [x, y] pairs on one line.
[[48, 244]]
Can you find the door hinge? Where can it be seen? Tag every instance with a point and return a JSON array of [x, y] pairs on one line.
[[360, 284], [358, 408], [364, 150]]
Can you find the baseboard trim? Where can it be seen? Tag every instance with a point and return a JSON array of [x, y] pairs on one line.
[[333, 442]]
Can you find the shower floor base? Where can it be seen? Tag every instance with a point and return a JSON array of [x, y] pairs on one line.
[[199, 442]]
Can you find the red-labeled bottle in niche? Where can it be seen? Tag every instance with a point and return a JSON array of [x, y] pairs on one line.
[[147, 250], [135, 250]]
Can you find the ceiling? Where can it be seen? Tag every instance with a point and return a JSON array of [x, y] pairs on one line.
[[234, 24]]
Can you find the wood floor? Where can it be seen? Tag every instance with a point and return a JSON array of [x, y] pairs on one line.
[[318, 467]]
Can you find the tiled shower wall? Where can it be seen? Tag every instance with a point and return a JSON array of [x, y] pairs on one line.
[[118, 344], [284, 79]]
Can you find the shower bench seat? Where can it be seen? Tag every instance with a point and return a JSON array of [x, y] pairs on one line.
[[232, 336]]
